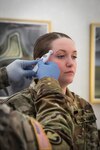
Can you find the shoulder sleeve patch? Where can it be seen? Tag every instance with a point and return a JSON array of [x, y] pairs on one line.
[[53, 136]]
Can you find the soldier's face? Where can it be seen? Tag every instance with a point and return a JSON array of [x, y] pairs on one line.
[[64, 54]]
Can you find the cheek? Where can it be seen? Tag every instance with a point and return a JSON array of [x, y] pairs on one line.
[[59, 63]]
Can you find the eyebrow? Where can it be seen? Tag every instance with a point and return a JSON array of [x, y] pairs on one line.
[[75, 51]]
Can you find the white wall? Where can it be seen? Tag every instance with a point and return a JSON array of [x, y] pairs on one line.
[[72, 17]]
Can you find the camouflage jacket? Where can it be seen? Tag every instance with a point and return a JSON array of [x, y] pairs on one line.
[[68, 120], [3, 78]]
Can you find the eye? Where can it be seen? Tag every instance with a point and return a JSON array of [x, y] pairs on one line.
[[74, 56], [60, 56]]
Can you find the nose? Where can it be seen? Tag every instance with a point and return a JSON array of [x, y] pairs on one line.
[[69, 62]]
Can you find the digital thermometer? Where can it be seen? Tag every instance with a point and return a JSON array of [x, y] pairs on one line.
[[44, 58]]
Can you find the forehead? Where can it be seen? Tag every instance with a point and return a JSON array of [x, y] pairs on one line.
[[63, 44]]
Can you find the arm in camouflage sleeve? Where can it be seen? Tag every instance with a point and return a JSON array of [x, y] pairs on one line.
[[47, 102], [3, 78], [56, 121], [59, 127]]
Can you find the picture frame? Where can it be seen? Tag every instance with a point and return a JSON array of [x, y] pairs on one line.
[[17, 38], [95, 63]]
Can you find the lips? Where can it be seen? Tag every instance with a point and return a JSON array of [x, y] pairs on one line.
[[69, 72]]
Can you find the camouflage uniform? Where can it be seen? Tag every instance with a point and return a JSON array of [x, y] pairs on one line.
[[3, 78], [68, 120]]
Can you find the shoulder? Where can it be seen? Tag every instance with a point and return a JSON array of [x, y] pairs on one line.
[[82, 102], [22, 102], [18, 97], [85, 107]]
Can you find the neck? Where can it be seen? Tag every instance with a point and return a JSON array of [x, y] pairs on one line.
[[63, 89], [63, 86]]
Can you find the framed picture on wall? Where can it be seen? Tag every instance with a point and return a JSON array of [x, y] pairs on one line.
[[17, 38], [95, 63]]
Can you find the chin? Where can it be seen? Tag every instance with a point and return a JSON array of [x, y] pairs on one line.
[[65, 80], [69, 81]]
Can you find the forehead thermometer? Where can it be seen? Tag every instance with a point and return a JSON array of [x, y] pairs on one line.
[[44, 58]]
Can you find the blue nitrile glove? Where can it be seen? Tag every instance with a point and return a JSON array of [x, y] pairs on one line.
[[48, 69], [19, 69]]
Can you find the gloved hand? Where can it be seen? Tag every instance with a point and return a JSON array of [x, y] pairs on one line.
[[48, 69], [19, 69]]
